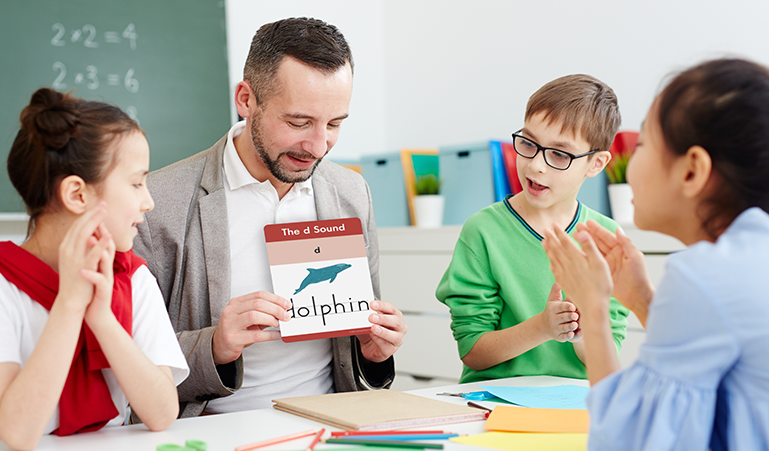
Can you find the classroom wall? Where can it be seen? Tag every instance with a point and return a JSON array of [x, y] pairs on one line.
[[472, 67], [435, 72]]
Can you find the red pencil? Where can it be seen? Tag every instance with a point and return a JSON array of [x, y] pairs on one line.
[[354, 433], [315, 440], [273, 441]]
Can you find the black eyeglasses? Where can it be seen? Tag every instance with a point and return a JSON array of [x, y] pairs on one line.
[[555, 158]]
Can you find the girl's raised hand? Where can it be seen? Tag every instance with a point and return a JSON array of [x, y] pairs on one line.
[[632, 286], [583, 274], [80, 250], [102, 279]]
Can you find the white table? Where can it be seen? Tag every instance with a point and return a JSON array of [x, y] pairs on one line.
[[225, 432]]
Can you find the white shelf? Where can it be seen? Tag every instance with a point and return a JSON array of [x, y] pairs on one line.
[[14, 217], [13, 227]]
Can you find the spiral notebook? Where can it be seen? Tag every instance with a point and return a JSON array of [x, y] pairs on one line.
[[375, 410]]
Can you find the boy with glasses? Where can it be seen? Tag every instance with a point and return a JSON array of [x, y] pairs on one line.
[[508, 315]]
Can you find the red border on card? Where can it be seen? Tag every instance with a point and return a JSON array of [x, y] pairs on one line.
[[273, 232], [321, 335]]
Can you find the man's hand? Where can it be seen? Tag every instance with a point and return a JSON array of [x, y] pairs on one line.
[[560, 317], [386, 333], [243, 323]]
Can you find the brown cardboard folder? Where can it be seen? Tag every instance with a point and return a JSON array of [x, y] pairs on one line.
[[374, 410]]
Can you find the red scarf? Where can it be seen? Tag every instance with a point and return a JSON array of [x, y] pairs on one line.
[[85, 404]]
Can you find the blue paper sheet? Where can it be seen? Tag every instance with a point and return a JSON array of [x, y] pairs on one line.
[[556, 397]]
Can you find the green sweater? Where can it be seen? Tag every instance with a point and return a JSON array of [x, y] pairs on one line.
[[499, 277]]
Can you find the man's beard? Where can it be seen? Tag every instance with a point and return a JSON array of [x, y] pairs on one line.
[[275, 166]]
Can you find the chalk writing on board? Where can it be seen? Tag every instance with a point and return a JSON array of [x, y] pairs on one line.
[[133, 113], [88, 36], [60, 31], [90, 78]]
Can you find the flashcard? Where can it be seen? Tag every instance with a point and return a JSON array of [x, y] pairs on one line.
[[322, 268]]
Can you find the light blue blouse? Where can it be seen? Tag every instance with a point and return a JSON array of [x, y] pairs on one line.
[[702, 377]]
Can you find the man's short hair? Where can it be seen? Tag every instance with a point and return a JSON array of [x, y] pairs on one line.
[[311, 41], [581, 103]]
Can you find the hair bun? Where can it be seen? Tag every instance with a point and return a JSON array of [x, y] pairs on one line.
[[50, 119]]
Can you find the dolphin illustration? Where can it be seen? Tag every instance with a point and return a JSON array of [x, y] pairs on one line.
[[319, 275]]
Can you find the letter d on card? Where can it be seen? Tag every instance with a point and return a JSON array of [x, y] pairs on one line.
[[330, 291]]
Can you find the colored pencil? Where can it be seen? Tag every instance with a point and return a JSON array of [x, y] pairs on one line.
[[363, 433], [400, 437], [315, 440], [275, 440], [384, 443]]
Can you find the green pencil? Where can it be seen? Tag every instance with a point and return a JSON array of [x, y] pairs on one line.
[[384, 443]]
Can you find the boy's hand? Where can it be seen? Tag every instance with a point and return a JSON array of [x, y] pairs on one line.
[[560, 317], [578, 332]]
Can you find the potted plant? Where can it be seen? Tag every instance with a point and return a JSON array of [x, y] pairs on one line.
[[620, 194], [428, 203]]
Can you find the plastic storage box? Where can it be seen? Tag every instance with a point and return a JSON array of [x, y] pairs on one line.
[[384, 175], [595, 194], [468, 180]]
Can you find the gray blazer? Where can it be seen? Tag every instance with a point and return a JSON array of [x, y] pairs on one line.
[[185, 242]]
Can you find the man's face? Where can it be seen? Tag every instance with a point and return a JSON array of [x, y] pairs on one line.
[[295, 128]]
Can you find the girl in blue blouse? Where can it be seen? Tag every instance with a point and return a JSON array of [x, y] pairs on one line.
[[700, 174]]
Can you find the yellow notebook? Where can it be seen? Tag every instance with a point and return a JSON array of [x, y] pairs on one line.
[[529, 419], [374, 410], [517, 441]]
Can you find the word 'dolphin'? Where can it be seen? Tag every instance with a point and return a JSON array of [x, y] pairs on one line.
[[325, 309]]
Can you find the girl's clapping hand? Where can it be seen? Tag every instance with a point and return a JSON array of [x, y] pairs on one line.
[[632, 286], [81, 251], [102, 278], [583, 274]]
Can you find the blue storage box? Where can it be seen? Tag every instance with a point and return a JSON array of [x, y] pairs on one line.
[[595, 194], [468, 180], [384, 174], [351, 164]]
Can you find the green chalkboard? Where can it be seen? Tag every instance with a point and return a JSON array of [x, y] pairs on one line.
[[162, 61]]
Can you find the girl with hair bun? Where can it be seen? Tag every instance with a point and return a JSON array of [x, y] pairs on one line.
[[700, 174], [83, 327]]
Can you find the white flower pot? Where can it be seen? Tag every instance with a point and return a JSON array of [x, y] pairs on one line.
[[621, 202], [428, 210]]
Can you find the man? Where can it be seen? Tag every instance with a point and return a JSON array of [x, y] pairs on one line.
[[205, 240]]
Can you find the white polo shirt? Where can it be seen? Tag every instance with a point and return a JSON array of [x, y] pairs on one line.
[[272, 369]]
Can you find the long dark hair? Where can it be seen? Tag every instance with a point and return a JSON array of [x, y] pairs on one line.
[[60, 136], [722, 106]]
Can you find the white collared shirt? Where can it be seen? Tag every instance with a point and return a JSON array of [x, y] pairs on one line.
[[272, 369]]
